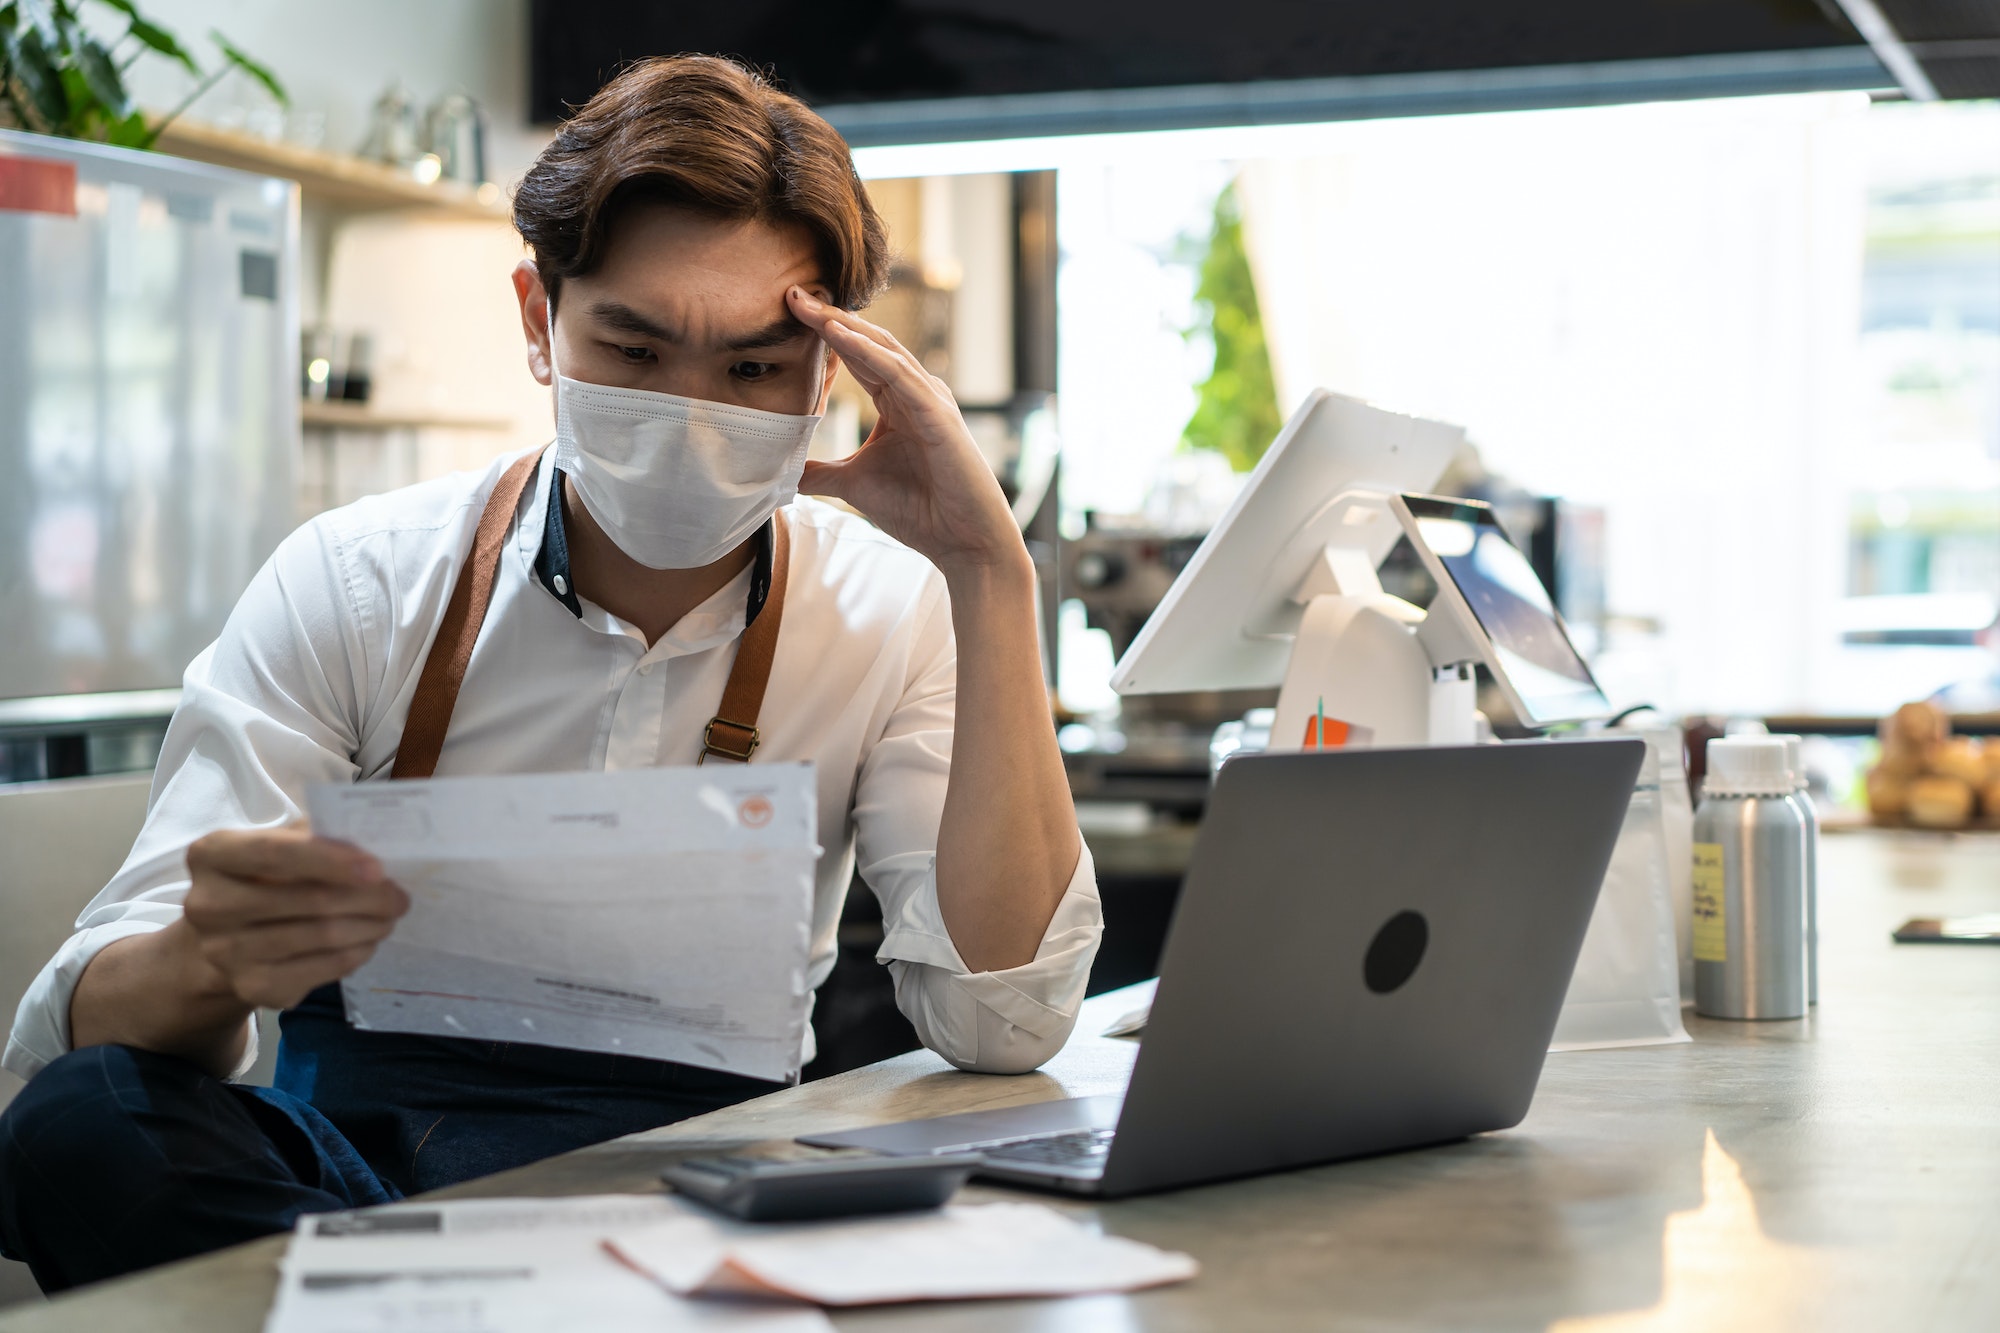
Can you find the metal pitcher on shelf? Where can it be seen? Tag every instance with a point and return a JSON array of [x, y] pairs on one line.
[[455, 131]]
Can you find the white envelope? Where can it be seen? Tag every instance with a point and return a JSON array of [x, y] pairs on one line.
[[662, 912], [495, 1266], [962, 1252]]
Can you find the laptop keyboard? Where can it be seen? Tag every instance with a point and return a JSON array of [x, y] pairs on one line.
[[1077, 1148]]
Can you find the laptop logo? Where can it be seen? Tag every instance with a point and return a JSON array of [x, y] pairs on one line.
[[1395, 952]]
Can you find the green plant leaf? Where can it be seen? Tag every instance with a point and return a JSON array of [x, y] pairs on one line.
[[35, 75], [159, 39], [251, 67], [100, 77], [41, 16], [1236, 412], [131, 132], [79, 103]]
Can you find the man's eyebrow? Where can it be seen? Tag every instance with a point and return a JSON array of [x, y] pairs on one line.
[[620, 316], [784, 329], [616, 314]]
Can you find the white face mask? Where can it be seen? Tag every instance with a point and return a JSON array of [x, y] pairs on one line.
[[676, 483]]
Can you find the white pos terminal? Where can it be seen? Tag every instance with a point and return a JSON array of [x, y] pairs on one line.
[[1284, 592]]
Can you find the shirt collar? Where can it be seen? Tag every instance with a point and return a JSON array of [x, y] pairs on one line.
[[552, 554]]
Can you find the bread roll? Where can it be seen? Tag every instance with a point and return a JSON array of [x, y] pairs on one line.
[[1920, 724], [1902, 760], [1989, 800], [1939, 802], [1887, 795], [1961, 758]]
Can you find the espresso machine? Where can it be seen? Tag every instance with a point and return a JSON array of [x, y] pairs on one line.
[[1156, 751]]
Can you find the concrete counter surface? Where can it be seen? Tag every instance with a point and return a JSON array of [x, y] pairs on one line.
[[1838, 1172]]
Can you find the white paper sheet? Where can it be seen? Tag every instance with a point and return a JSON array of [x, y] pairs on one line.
[[496, 1266], [1132, 1023], [653, 912], [957, 1253]]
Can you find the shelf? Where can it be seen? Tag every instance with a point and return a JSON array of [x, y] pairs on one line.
[[359, 416], [329, 179], [1962, 724], [83, 711]]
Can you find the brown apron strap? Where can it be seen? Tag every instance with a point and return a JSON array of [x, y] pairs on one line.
[[732, 732], [444, 669]]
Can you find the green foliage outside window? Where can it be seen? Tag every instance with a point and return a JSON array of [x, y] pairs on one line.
[[57, 76], [1237, 412]]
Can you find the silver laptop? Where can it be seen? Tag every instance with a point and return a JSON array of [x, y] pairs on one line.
[[1370, 952]]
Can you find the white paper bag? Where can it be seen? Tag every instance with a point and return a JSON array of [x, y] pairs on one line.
[[1677, 813], [1627, 986]]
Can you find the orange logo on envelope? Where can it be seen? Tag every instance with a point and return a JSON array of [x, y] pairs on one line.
[[755, 812]]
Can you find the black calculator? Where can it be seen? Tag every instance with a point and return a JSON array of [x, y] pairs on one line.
[[837, 1185]]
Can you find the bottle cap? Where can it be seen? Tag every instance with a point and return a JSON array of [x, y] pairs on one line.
[[1795, 760], [1748, 766]]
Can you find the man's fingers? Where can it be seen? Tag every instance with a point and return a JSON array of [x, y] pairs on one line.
[[280, 942], [282, 985], [899, 386], [875, 333], [890, 361], [879, 363], [857, 340], [281, 855], [219, 903], [280, 912], [864, 360]]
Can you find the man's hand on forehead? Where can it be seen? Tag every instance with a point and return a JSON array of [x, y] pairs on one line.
[[919, 476]]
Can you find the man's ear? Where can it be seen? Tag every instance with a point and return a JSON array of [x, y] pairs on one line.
[[535, 326]]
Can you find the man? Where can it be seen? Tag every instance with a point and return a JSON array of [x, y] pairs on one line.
[[700, 241]]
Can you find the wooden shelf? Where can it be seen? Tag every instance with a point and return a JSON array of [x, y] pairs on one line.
[[360, 416], [329, 179]]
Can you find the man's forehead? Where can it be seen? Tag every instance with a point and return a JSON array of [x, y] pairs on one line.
[[699, 274]]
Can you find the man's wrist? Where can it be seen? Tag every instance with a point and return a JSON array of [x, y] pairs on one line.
[[158, 992], [210, 1017], [201, 982], [1004, 573]]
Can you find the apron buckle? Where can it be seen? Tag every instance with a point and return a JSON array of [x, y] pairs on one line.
[[745, 741]]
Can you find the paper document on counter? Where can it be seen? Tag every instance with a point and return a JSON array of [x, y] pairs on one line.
[[657, 912], [496, 1266], [1132, 1023], [956, 1253]]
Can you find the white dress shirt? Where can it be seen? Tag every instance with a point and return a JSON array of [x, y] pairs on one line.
[[313, 674]]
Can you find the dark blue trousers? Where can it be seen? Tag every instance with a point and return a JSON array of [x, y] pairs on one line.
[[114, 1159]]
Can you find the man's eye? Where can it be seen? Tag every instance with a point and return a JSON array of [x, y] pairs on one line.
[[752, 370], [635, 353]]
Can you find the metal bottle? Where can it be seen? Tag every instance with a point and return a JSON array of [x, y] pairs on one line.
[[1802, 797], [1749, 884]]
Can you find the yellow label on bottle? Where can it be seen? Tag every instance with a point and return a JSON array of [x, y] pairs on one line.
[[1711, 932]]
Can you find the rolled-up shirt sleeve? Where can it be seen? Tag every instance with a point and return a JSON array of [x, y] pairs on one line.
[[265, 711], [1004, 1022]]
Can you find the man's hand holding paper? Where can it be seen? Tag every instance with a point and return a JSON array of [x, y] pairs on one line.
[[661, 913]]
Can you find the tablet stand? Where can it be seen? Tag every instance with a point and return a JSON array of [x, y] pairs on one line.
[[1369, 669]]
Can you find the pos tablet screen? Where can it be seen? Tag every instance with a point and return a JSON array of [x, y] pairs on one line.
[[1484, 579]]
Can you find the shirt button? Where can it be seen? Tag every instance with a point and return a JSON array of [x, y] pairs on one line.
[[645, 668], [561, 584]]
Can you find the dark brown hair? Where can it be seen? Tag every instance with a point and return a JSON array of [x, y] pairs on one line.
[[707, 134]]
